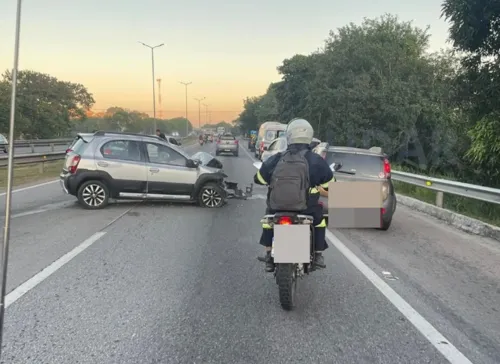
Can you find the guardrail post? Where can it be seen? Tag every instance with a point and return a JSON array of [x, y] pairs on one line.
[[32, 146], [51, 147], [439, 199]]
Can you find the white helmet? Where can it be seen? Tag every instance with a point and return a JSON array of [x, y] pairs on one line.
[[299, 131]]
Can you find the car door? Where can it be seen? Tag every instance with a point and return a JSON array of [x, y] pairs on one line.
[[123, 164], [168, 176]]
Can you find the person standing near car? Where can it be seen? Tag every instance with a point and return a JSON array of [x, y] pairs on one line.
[[160, 134]]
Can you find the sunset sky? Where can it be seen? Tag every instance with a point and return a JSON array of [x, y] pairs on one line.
[[228, 50]]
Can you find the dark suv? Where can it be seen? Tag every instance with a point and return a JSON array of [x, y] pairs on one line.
[[362, 164]]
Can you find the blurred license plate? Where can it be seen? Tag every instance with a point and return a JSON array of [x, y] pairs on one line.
[[291, 244]]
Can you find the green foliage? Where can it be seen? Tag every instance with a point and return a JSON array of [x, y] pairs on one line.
[[46, 107]]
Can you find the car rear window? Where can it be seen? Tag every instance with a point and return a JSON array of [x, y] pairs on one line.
[[227, 137], [361, 164], [78, 146]]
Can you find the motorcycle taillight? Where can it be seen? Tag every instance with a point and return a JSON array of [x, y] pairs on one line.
[[285, 220]]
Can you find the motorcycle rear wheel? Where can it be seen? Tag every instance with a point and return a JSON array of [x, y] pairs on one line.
[[287, 284]]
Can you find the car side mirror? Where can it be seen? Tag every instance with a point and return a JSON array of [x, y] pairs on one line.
[[190, 163]]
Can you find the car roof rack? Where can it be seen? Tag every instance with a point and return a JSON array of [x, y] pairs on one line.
[[104, 133]]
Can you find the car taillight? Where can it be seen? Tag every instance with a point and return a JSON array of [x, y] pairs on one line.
[[387, 168], [285, 220], [382, 210], [235, 142], [73, 166]]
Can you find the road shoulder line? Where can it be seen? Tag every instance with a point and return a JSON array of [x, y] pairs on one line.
[[443, 345], [38, 278]]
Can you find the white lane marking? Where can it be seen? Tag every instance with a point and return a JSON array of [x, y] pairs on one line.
[[51, 269], [30, 187], [442, 344]]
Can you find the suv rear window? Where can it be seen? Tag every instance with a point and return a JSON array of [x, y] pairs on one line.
[[227, 137], [362, 164]]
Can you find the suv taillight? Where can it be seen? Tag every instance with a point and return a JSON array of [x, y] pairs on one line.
[[73, 166], [387, 168]]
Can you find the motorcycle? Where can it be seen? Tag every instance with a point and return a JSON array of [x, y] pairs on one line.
[[201, 141], [293, 251]]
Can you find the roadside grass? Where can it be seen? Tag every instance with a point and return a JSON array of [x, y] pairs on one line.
[[480, 210], [33, 172]]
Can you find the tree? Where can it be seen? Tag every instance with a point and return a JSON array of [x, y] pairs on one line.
[[475, 31], [47, 107], [371, 84]]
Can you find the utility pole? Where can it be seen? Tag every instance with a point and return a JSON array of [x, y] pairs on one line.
[[186, 84], [10, 171], [199, 111], [153, 70], [206, 113]]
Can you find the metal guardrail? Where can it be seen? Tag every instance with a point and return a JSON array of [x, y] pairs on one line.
[[33, 158], [442, 186]]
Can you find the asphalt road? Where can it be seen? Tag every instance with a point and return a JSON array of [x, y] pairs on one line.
[[170, 283]]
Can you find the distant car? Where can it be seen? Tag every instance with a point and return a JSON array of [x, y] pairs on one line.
[[4, 143], [362, 164], [108, 165], [172, 139], [277, 145], [268, 131], [315, 142], [227, 143]]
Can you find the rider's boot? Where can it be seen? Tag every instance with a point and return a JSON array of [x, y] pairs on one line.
[[269, 262], [319, 259]]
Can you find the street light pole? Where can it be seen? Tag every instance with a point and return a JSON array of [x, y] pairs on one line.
[[10, 172], [199, 111], [186, 84], [153, 71], [206, 113]]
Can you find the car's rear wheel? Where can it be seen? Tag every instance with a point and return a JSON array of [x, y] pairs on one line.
[[211, 196], [93, 195]]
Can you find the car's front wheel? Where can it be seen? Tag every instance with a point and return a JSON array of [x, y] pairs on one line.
[[211, 196], [93, 195]]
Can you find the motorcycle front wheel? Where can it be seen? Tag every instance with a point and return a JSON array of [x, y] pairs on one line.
[[286, 278]]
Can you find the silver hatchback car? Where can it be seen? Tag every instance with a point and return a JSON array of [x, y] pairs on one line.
[[227, 143], [108, 165]]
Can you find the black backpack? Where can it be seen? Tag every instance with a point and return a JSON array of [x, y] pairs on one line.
[[290, 183]]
